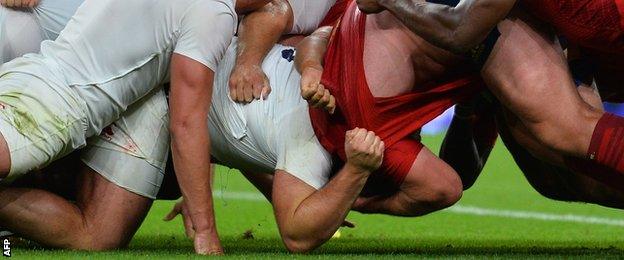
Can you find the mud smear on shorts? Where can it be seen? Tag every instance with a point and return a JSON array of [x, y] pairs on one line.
[[20, 112]]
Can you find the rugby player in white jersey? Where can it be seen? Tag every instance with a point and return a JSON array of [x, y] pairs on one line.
[[24, 24], [272, 142], [85, 80]]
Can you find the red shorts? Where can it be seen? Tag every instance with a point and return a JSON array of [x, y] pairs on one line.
[[398, 161], [594, 24]]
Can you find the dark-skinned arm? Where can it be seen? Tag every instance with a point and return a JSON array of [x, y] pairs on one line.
[[456, 29]]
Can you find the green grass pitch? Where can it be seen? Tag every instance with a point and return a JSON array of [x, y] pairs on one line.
[[502, 217]]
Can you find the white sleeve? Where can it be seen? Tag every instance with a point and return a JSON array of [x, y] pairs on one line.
[[308, 14], [300, 153], [206, 31]]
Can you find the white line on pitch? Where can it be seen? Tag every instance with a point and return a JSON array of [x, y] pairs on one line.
[[471, 210]]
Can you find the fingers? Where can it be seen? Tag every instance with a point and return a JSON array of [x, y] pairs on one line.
[[188, 223], [248, 95], [319, 97], [348, 224], [331, 107], [248, 83], [177, 209], [206, 244]]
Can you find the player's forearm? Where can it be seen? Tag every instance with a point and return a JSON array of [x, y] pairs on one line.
[[318, 217], [191, 156], [311, 51], [260, 30], [456, 29]]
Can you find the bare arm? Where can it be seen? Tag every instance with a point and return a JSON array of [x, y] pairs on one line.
[[19, 3], [306, 217], [311, 51], [457, 29], [259, 31], [191, 92], [309, 62]]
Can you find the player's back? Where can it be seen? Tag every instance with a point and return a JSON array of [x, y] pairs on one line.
[[107, 39], [397, 61], [124, 49], [253, 135]]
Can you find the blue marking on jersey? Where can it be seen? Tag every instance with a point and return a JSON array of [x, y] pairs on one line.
[[288, 54]]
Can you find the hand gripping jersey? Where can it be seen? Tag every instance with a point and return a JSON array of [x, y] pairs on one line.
[[394, 119]]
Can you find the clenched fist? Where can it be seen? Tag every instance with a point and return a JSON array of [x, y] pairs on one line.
[[364, 150], [248, 82], [314, 92], [19, 3]]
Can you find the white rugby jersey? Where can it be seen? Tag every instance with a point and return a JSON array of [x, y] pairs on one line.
[[271, 134]]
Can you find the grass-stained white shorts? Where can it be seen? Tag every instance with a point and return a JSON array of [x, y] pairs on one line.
[[42, 121], [133, 151]]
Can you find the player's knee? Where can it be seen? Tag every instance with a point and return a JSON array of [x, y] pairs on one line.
[[436, 197], [90, 239], [445, 196], [565, 135]]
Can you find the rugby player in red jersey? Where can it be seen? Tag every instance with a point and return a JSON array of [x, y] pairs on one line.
[[526, 70]]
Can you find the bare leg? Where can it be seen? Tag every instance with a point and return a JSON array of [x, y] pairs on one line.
[[529, 75], [5, 158], [555, 181], [104, 216], [431, 185]]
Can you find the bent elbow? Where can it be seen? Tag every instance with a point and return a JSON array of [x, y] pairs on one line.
[[301, 246]]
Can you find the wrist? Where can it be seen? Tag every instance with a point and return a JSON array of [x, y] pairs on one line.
[[312, 66], [356, 170]]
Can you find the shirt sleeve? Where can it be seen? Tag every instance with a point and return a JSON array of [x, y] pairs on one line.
[[300, 153], [206, 31], [308, 14]]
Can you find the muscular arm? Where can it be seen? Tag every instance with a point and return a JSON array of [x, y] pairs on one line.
[[19, 3], [191, 92], [259, 31], [311, 51], [457, 29], [307, 218]]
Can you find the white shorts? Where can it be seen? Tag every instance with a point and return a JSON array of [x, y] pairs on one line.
[[134, 157], [42, 124], [132, 153]]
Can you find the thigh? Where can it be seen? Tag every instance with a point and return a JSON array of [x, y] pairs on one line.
[[40, 121], [111, 212], [430, 174], [529, 75]]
